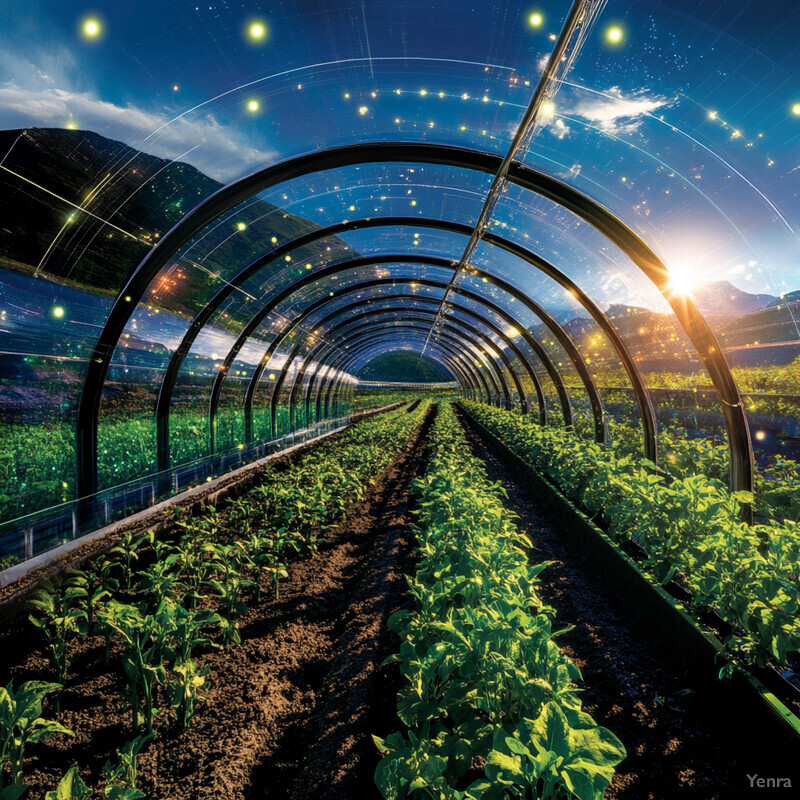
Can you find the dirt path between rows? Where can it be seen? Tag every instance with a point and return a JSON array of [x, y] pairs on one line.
[[681, 745], [291, 710]]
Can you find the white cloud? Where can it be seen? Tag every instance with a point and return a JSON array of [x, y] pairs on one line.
[[216, 150], [616, 113]]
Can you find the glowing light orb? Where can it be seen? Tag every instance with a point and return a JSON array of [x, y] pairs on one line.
[[253, 105], [91, 28], [362, 110], [614, 34], [58, 312], [175, 88], [272, 376], [512, 332], [761, 435], [240, 226], [535, 20], [682, 280], [72, 125], [796, 109], [257, 31]]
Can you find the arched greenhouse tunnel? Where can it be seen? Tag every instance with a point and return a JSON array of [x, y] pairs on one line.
[[400, 400]]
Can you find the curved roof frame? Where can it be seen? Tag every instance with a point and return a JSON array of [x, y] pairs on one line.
[[685, 309], [551, 323], [507, 340], [321, 369], [359, 288], [641, 393], [416, 315], [363, 343]]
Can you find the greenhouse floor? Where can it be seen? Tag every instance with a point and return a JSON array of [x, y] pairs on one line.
[[292, 709]]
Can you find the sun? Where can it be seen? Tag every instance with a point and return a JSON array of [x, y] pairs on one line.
[[682, 280]]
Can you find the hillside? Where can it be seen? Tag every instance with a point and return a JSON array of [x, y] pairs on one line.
[[140, 195]]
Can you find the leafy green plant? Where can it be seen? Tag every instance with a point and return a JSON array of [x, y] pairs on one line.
[[186, 688], [479, 657], [120, 779], [59, 612], [70, 787], [22, 724]]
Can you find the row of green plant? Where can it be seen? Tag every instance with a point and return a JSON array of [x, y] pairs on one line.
[[37, 460], [690, 529], [490, 702], [156, 604], [777, 484]]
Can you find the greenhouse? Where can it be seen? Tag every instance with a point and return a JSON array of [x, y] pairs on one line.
[[400, 400]]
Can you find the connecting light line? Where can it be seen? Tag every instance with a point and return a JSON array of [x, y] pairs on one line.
[[76, 206], [573, 34]]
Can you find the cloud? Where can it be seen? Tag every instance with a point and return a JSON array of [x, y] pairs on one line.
[[616, 113], [216, 150]]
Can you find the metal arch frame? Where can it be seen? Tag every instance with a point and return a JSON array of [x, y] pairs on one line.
[[321, 367], [641, 392], [508, 341], [362, 321], [335, 269], [505, 339], [448, 342], [370, 340], [591, 212], [395, 282], [530, 340], [363, 343]]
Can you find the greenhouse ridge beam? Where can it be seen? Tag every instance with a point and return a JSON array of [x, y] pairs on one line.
[[693, 323], [576, 17]]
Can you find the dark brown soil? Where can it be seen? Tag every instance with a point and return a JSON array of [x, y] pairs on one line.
[[291, 710], [680, 743]]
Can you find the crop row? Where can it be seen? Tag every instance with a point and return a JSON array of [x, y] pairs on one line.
[[490, 702], [690, 530], [152, 604]]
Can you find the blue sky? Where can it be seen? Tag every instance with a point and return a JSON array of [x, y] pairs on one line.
[[685, 127]]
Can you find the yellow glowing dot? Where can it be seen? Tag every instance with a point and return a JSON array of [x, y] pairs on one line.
[[91, 28], [72, 125], [441, 94], [423, 92], [761, 435], [712, 115], [287, 258], [397, 121], [463, 127], [796, 109], [274, 240], [175, 88], [253, 105], [362, 110], [485, 280], [240, 226], [272, 376], [352, 208], [413, 202], [535, 20], [308, 266], [257, 31], [614, 34], [58, 312], [127, 298]]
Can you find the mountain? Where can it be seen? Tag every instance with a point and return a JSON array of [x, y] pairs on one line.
[[126, 201], [723, 299]]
